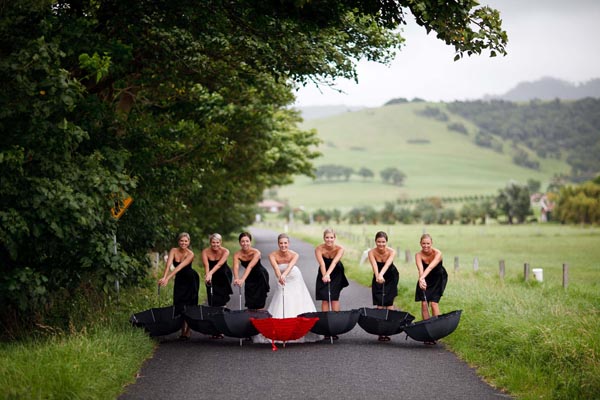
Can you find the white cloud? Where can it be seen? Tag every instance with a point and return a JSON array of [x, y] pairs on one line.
[[546, 38]]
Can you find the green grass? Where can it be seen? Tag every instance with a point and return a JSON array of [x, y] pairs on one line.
[[450, 165], [534, 340], [86, 365], [94, 359]]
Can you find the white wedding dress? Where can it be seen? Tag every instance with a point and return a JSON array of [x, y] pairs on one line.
[[291, 300]]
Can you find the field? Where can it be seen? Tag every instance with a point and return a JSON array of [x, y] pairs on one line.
[[437, 161], [536, 340]]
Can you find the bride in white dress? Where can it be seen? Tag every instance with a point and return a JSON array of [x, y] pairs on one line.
[[291, 297]]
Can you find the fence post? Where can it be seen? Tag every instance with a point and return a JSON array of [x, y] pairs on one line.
[[526, 271], [565, 275], [455, 263], [502, 269], [476, 264], [407, 255]]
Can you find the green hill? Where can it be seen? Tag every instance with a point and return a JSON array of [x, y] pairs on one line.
[[437, 161]]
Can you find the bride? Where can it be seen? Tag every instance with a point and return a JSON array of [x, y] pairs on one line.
[[291, 297]]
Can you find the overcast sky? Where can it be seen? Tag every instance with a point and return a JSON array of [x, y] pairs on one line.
[[547, 38]]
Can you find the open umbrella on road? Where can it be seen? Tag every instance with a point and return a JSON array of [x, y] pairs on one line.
[[283, 329], [383, 322], [199, 318], [333, 323], [434, 328], [160, 321], [236, 323]]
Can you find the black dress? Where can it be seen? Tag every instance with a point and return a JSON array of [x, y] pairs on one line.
[[185, 289], [436, 284], [256, 286], [220, 285], [338, 282], [384, 293]]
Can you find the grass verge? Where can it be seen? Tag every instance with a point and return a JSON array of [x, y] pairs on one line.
[[534, 340], [95, 358]]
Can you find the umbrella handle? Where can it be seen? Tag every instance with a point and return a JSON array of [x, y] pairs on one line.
[[426, 303], [283, 300], [240, 290], [210, 299], [329, 294]]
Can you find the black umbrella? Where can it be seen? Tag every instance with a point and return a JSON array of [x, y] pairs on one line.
[[237, 323], [199, 318], [158, 321], [333, 323], [383, 322], [434, 328]]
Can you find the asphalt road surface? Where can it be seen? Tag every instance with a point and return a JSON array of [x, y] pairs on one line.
[[356, 366]]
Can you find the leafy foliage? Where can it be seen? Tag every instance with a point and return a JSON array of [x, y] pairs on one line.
[[513, 201], [552, 129], [183, 107], [579, 204]]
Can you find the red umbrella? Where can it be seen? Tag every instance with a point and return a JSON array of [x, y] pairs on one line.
[[283, 329]]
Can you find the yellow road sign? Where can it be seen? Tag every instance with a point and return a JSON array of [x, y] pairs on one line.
[[120, 207]]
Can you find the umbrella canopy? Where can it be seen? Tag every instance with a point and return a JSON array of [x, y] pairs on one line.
[[333, 323], [199, 318], [237, 323], [383, 322], [283, 329], [158, 321], [434, 328]]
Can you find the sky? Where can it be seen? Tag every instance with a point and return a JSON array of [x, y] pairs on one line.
[[546, 38]]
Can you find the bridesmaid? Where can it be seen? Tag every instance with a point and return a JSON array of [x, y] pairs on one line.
[[432, 277], [330, 278], [218, 275], [187, 281], [384, 287], [255, 275]]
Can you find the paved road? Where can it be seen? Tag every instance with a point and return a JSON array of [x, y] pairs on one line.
[[356, 366]]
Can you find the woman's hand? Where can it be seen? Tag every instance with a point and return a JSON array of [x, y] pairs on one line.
[[238, 282], [422, 283], [163, 281], [282, 280], [380, 279], [208, 277], [326, 278]]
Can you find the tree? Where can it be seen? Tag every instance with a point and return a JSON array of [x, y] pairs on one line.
[[514, 202], [365, 173], [579, 204], [183, 107], [392, 175]]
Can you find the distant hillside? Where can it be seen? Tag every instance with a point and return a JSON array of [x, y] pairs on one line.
[[315, 112], [568, 130], [550, 89], [438, 157]]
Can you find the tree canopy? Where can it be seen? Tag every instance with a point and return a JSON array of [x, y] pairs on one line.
[[182, 105]]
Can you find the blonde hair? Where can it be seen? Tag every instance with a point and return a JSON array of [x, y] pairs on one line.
[[282, 236], [215, 236], [184, 234], [426, 236], [329, 230]]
